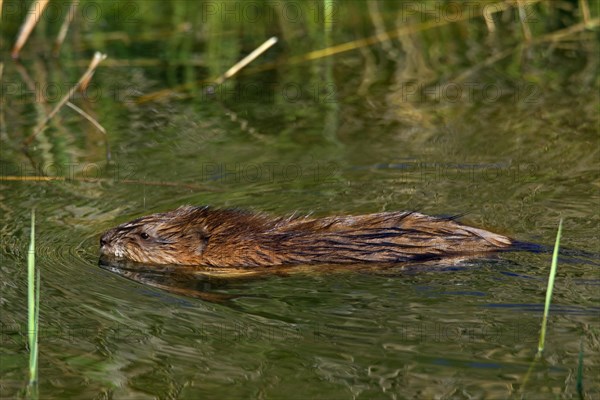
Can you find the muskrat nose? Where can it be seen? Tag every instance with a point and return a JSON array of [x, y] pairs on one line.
[[104, 239]]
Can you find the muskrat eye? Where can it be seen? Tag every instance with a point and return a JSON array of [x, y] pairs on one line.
[[144, 235]]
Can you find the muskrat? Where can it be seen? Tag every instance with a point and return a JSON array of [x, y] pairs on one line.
[[233, 238]]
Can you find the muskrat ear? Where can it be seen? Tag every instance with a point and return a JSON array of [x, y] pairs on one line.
[[202, 241], [185, 209]]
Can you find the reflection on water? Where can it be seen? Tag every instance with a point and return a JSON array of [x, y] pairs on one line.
[[209, 283], [180, 280]]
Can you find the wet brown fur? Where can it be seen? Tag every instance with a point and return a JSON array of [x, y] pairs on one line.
[[232, 238]]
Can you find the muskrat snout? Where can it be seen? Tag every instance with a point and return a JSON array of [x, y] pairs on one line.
[[104, 239]]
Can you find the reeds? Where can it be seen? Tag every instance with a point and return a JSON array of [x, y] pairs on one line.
[[33, 16], [237, 67], [85, 78], [33, 310], [549, 290], [62, 34]]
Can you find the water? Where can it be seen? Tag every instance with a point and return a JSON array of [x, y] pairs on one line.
[[358, 132]]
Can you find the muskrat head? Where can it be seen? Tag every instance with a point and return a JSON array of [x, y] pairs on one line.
[[175, 237]]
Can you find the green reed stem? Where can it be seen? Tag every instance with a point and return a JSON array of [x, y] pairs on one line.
[[33, 301], [546, 306], [549, 290]]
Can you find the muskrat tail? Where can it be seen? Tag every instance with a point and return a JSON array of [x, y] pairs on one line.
[[575, 256], [518, 245]]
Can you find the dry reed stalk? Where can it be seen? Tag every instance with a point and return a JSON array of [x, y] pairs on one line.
[[247, 60], [585, 11], [86, 116], [564, 33], [95, 123], [228, 74], [489, 20], [523, 20], [98, 57], [64, 28], [33, 16]]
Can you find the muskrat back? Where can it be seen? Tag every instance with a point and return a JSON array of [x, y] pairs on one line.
[[233, 238]]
